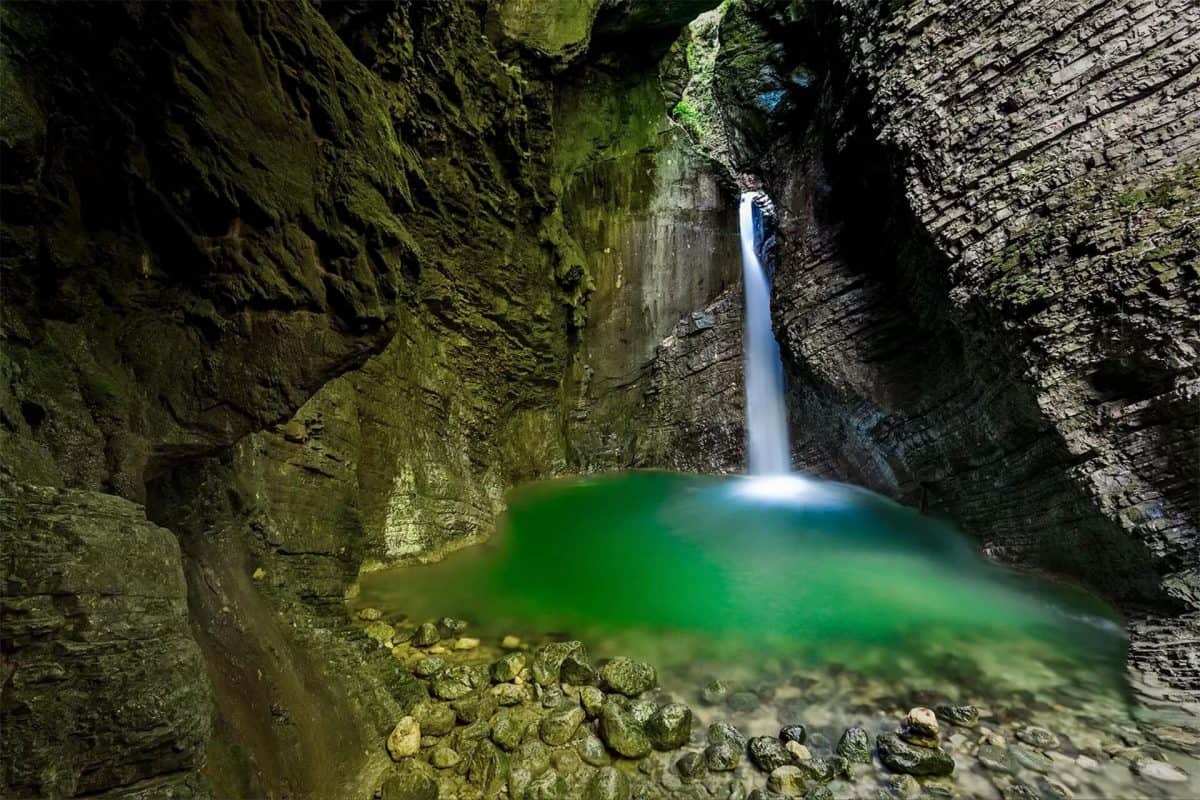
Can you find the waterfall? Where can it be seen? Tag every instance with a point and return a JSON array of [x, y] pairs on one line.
[[766, 414]]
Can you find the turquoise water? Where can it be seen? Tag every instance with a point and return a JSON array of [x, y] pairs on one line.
[[755, 566]]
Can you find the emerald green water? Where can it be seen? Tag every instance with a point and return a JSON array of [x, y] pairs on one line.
[[759, 566]]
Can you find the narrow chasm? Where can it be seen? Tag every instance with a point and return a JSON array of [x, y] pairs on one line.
[[600, 400]]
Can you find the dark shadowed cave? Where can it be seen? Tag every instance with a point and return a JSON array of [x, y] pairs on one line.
[[294, 293]]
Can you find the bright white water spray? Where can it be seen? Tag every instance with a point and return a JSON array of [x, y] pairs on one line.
[[766, 414]]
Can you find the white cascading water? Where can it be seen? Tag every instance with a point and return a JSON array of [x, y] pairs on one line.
[[766, 413]]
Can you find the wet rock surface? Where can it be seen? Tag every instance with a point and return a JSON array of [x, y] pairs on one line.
[[861, 739]]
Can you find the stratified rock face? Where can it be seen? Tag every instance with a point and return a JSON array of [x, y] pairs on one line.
[[1060, 178], [988, 291], [104, 686]]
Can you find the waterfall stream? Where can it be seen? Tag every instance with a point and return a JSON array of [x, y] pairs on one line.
[[766, 413]]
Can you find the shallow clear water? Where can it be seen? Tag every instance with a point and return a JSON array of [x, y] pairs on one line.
[[773, 565]]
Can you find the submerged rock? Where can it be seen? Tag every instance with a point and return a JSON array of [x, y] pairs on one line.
[[670, 726], [1038, 737], [855, 745], [405, 739], [994, 758], [901, 756], [744, 701], [621, 731], [714, 693], [962, 716], [768, 753], [904, 787], [1158, 770], [691, 766], [628, 677]]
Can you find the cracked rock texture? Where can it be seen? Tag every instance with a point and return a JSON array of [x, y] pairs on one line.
[[101, 674]]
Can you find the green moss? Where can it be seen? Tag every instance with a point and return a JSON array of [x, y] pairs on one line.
[[689, 117]]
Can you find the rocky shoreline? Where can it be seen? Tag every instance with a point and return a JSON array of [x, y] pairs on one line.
[[539, 719]]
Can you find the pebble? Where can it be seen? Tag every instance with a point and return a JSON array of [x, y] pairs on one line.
[[370, 614], [714, 693], [855, 745], [768, 753], [508, 728], [427, 635], [1032, 759], [444, 757], [669, 727], [558, 728], [466, 643], [435, 719], [994, 758], [899, 755], [788, 780], [608, 783], [722, 756], [449, 627], [793, 733], [380, 632], [429, 666], [621, 731], [743, 701], [962, 716], [721, 732], [508, 667], [548, 659], [628, 677], [577, 672], [591, 751], [798, 751], [921, 727], [592, 700], [405, 739], [1037, 737], [510, 642], [691, 766], [509, 694], [905, 787], [1158, 770]]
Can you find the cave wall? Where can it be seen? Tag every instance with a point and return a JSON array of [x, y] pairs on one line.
[[314, 306]]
